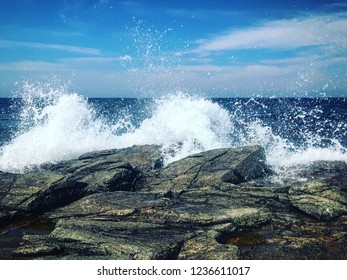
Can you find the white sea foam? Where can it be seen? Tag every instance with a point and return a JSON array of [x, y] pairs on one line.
[[304, 156], [62, 128], [184, 125], [57, 125], [283, 155]]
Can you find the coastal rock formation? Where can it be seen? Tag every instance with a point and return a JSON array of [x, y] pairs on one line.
[[219, 204], [320, 199], [60, 184]]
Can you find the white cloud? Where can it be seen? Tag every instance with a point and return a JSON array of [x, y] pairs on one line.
[[101, 64], [300, 72], [260, 80], [36, 45], [29, 65], [91, 59], [281, 34], [295, 77]]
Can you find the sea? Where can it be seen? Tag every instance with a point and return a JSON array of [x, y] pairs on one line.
[[52, 125]]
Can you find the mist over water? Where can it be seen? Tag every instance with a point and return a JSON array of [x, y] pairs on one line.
[[55, 124]]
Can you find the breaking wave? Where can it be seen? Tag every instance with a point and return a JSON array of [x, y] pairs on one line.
[[56, 125]]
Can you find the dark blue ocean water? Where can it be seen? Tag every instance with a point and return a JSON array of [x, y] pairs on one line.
[[296, 119], [290, 118], [282, 125]]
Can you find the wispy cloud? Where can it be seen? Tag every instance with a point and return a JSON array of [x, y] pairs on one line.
[[29, 65], [42, 32], [92, 77], [102, 64], [91, 59], [281, 34], [36, 45]]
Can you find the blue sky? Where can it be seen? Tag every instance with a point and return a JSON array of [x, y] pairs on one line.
[[108, 48]]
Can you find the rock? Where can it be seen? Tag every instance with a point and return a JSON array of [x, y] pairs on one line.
[[319, 199], [23, 194], [93, 239], [205, 247], [60, 184], [224, 165], [323, 170], [209, 169], [42, 247], [123, 170], [38, 192], [219, 204], [144, 207], [144, 157], [111, 170], [108, 205], [135, 225], [330, 170], [96, 177]]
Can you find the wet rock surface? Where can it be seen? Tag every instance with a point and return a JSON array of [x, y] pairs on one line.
[[220, 204], [321, 199]]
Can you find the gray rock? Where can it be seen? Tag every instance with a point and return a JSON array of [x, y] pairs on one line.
[[145, 157], [60, 184], [124, 204], [319, 199], [23, 193], [145, 207], [205, 247], [95, 239], [209, 169], [137, 225]]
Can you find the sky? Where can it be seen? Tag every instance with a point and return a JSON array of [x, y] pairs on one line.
[[133, 48]]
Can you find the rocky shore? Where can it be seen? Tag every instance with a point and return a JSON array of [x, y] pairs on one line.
[[219, 204]]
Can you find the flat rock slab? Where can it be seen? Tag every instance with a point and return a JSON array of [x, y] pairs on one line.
[[96, 239], [135, 225], [206, 247], [152, 208], [320, 199], [25, 194], [209, 169]]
